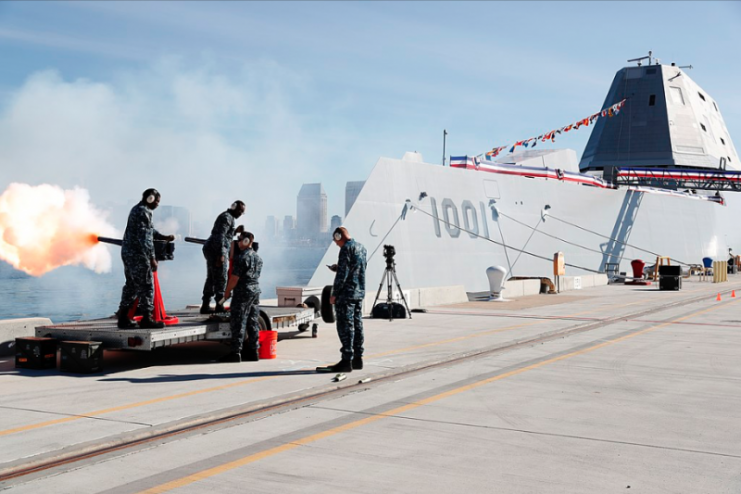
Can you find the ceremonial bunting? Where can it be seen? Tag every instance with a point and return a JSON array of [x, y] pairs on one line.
[[551, 135]]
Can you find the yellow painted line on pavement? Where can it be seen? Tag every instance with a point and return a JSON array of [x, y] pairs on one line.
[[211, 472], [129, 406]]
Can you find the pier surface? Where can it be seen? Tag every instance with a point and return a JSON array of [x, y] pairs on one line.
[[608, 389]]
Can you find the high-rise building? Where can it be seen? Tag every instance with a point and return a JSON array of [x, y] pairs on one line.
[[352, 190], [289, 224], [311, 210], [335, 222], [271, 227]]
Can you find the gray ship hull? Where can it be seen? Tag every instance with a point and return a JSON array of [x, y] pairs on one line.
[[433, 252]]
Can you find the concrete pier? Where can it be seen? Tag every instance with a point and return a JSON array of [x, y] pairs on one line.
[[604, 389], [18, 328]]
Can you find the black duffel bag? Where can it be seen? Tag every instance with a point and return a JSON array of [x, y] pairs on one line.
[[389, 311]]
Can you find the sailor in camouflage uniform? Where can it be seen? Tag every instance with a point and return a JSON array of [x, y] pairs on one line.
[[348, 292], [245, 312], [137, 253], [216, 252]]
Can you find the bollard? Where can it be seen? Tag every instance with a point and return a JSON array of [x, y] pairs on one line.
[[496, 275]]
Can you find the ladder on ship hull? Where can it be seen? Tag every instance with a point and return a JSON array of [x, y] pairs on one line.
[[614, 249]]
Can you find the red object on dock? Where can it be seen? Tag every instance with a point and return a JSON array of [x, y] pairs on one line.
[[638, 279], [268, 345], [159, 315]]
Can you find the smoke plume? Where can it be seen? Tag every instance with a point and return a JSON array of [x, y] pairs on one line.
[[44, 227]]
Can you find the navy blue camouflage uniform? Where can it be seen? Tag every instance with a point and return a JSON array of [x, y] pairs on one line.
[[349, 291], [137, 251], [216, 246], [244, 308]]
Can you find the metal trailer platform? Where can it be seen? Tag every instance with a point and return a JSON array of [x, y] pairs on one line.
[[192, 327]]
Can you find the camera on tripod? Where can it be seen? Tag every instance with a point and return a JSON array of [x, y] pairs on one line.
[[390, 309], [389, 252]]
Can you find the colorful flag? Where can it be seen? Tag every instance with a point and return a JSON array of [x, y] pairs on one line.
[[460, 161]]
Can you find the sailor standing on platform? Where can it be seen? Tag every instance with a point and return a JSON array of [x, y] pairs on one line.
[[245, 309], [137, 253], [348, 292], [216, 252]]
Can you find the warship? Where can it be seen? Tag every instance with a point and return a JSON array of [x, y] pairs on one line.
[[657, 180]]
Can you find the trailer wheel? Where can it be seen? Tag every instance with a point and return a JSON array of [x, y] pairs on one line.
[[326, 308], [303, 327], [315, 304], [263, 322]]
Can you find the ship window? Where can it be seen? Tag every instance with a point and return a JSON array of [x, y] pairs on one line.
[[716, 106], [703, 127], [652, 100], [677, 95], [722, 141], [651, 71], [729, 159], [701, 96]]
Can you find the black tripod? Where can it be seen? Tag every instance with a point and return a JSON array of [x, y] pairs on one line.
[[389, 275]]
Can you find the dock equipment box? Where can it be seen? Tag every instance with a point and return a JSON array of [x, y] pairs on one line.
[[35, 353], [670, 277], [81, 357]]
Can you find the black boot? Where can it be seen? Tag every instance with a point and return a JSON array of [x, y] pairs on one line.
[[219, 308], [232, 357], [251, 355], [124, 322], [341, 366], [206, 308], [148, 323], [357, 363]]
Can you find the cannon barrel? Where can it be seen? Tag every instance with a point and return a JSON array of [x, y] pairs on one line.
[[201, 241], [163, 250], [112, 241], [194, 240]]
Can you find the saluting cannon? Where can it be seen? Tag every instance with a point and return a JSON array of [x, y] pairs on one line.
[[163, 250]]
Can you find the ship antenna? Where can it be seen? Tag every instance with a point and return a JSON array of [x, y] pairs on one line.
[[445, 135], [642, 58]]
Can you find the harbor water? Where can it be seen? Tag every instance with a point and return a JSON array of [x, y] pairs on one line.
[[71, 293]]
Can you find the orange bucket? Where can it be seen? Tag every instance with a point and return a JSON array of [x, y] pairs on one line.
[[268, 344]]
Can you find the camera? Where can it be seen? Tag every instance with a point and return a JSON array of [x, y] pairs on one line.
[[389, 252]]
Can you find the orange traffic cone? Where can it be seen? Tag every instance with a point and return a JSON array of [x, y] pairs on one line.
[[718, 298], [733, 293]]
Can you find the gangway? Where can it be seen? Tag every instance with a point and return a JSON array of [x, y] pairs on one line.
[[680, 178]]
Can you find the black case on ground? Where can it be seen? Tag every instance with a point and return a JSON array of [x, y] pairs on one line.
[[670, 277], [81, 357], [35, 353]]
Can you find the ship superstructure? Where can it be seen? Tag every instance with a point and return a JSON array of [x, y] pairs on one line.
[[450, 224]]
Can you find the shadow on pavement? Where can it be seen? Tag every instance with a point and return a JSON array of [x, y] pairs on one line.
[[203, 377]]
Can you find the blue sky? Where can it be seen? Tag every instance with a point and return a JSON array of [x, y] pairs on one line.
[[213, 101]]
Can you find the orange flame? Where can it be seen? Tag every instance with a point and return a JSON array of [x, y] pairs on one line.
[[44, 227]]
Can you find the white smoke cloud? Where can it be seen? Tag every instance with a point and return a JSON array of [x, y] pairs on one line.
[[203, 136], [45, 227]]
